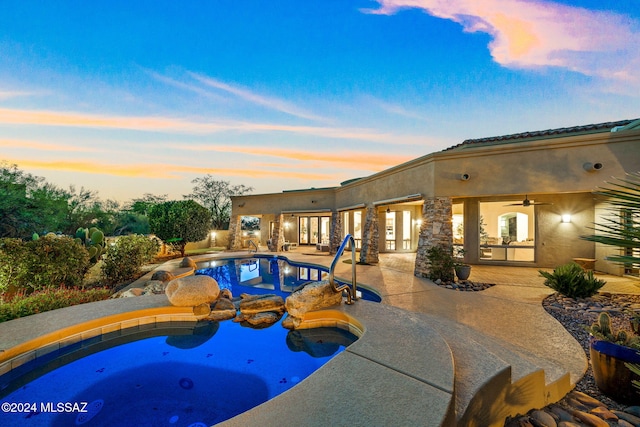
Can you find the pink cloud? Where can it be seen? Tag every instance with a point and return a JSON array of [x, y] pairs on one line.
[[529, 34]]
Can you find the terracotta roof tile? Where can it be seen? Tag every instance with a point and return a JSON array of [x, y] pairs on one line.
[[598, 127]]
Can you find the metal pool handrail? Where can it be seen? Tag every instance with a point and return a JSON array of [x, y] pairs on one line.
[[251, 242], [351, 292]]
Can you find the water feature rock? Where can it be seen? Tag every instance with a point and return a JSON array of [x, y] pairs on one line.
[[187, 262], [163, 276], [261, 303], [201, 311], [315, 296], [266, 318], [190, 291], [223, 309], [590, 419]]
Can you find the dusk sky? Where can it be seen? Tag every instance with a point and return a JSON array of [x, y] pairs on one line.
[[133, 97]]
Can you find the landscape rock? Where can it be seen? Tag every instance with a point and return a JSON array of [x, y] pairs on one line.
[[163, 276], [264, 303], [543, 418], [315, 296], [133, 292], [190, 291], [154, 287], [201, 311], [222, 309], [188, 262]]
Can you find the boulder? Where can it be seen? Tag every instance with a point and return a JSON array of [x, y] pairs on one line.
[[315, 296], [190, 291], [188, 262], [261, 304], [201, 311], [262, 319], [163, 276], [223, 309]]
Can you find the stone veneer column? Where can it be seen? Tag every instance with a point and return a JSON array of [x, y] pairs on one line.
[[335, 231], [235, 232], [277, 239], [370, 236], [436, 229]]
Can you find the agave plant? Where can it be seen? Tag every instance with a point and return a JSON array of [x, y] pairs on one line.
[[623, 228]]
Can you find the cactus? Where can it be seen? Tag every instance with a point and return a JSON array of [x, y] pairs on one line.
[[602, 330], [35, 236], [93, 239]]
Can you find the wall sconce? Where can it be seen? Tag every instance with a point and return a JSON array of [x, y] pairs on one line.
[[241, 205], [566, 218], [388, 210], [313, 201], [464, 177]]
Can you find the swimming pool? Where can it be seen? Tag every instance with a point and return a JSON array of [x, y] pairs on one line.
[[262, 274], [176, 374], [171, 375]]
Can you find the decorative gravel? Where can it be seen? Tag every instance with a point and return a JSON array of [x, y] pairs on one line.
[[576, 315]]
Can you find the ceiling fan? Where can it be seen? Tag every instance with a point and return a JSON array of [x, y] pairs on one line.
[[526, 202]]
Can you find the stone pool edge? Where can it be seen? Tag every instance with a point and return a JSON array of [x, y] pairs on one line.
[[383, 377]]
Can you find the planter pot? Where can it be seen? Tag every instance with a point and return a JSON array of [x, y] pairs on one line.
[[612, 377], [463, 272]]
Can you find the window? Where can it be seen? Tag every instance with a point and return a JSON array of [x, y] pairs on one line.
[[506, 232]]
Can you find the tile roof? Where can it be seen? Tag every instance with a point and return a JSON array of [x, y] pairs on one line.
[[592, 128]]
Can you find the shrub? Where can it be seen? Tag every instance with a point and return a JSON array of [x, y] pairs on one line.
[[49, 261], [572, 281], [56, 261], [441, 263], [13, 268], [126, 256], [22, 305]]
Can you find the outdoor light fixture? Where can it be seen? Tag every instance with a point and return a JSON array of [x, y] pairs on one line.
[[241, 205], [388, 210], [464, 177], [566, 218]]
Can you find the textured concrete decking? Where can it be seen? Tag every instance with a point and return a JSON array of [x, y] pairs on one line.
[[444, 358]]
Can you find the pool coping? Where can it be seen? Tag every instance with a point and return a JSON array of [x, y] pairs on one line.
[[369, 383]]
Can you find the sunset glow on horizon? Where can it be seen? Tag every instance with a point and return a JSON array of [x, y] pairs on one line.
[[132, 98]]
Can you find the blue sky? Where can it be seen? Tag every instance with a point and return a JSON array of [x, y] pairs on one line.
[[126, 98]]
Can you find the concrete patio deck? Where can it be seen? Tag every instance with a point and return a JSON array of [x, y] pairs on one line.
[[428, 356]]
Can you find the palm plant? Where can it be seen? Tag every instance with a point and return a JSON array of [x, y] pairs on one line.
[[623, 228]]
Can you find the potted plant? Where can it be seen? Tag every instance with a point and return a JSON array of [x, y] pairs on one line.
[[463, 271], [611, 354]]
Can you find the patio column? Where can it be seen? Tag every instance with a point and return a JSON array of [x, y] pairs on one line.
[[235, 232], [370, 236], [436, 229], [276, 241], [335, 232]]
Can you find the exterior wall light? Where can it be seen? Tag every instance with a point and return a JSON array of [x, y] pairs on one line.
[[464, 177], [566, 218]]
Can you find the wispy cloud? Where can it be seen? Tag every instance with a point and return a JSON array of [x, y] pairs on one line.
[[532, 33], [45, 146], [191, 126], [257, 99], [9, 94], [160, 170], [356, 159]]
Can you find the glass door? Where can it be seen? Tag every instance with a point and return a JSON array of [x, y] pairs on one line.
[[304, 230]]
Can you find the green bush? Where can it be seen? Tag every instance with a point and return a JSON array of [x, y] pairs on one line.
[[49, 261], [572, 281], [13, 265], [124, 258], [22, 305], [441, 263]]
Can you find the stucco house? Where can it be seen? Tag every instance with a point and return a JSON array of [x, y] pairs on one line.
[[522, 199]]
